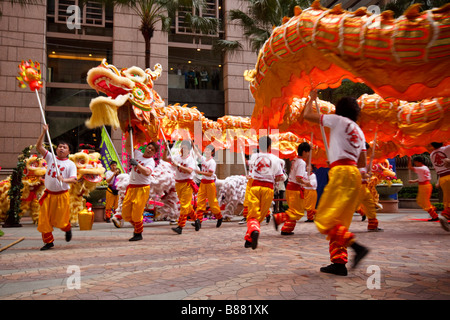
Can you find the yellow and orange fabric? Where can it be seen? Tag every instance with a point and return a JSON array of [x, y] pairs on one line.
[[405, 58]]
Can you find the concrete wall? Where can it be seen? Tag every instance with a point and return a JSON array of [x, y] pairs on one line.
[[22, 37], [129, 50], [238, 99], [210, 102]]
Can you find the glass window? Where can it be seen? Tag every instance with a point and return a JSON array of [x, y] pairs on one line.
[[71, 128], [195, 78], [194, 69], [69, 60], [212, 9], [65, 97], [94, 18]]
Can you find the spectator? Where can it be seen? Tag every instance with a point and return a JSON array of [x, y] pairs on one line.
[[204, 78]]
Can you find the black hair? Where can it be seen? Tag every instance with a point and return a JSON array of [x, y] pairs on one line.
[[154, 144], [186, 143], [437, 145], [112, 162], [367, 145], [303, 147], [211, 147], [265, 143], [348, 107], [419, 159], [66, 143]]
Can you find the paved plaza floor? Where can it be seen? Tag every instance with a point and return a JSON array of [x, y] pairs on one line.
[[409, 260]]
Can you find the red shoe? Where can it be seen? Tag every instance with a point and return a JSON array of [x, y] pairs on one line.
[[254, 236], [278, 218]]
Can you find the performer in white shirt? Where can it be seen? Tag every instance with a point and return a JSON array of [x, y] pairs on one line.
[[184, 183], [112, 194], [311, 196], [440, 157], [138, 191], [55, 209], [266, 170], [295, 197], [207, 189], [425, 187], [247, 188], [340, 197]]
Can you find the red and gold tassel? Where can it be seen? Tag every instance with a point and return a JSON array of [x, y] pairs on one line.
[[47, 237], [373, 224], [289, 226], [138, 226], [252, 225]]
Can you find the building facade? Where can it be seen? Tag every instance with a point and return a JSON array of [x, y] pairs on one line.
[[67, 48], [46, 33]]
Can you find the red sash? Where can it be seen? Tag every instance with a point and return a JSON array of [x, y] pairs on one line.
[[343, 162], [296, 187], [194, 186], [136, 186], [47, 192], [444, 174], [259, 183]]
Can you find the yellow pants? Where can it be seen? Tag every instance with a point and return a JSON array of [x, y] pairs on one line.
[[184, 192], [367, 202], [444, 182], [134, 204], [296, 205], [310, 200], [336, 207], [423, 196], [54, 212], [207, 191], [259, 202], [339, 199], [247, 190], [112, 201], [368, 206]]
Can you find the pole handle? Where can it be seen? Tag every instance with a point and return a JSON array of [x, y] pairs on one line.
[[373, 152], [322, 130], [48, 135]]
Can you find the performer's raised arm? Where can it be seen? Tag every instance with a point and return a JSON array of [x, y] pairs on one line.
[[40, 142], [128, 143], [309, 113]]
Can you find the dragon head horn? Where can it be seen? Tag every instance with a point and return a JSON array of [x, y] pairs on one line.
[[154, 74], [249, 75], [413, 11], [316, 5]]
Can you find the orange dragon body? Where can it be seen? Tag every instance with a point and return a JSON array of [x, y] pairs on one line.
[[405, 58], [405, 61]]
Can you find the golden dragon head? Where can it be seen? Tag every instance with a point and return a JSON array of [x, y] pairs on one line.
[[88, 166], [129, 85], [35, 168]]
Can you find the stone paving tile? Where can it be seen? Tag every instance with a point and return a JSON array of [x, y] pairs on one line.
[[212, 264]]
